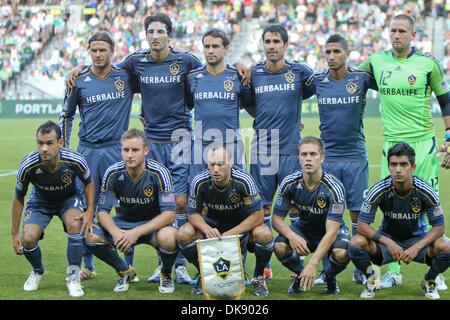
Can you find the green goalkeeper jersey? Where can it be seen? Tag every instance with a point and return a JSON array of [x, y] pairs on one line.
[[405, 86]]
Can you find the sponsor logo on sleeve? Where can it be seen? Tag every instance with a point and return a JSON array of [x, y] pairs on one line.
[[337, 208], [437, 211], [366, 207]]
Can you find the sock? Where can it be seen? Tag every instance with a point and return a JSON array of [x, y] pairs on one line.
[[334, 267], [439, 264], [129, 256], [394, 268], [168, 259], [181, 221], [34, 257], [361, 260], [88, 258], [75, 248], [292, 262], [73, 273], [109, 255], [263, 252], [354, 228], [325, 263], [190, 252]]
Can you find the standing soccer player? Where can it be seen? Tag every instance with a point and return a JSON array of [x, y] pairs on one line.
[[320, 229], [52, 171], [405, 200], [103, 94], [341, 95], [406, 79], [215, 93], [234, 207], [147, 211], [277, 90]]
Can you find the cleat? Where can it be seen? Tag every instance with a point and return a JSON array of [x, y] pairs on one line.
[[166, 284], [440, 283], [135, 279], [75, 288], [295, 286], [182, 275], [124, 278], [359, 277], [259, 287], [86, 274], [197, 290], [320, 279], [431, 291], [155, 275], [389, 280], [293, 275], [331, 286], [370, 288], [32, 283], [268, 274], [247, 280]]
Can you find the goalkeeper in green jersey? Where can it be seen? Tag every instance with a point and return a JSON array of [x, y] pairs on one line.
[[406, 79]]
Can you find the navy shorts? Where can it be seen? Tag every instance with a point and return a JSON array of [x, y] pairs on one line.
[[99, 158], [404, 244], [176, 157], [269, 171], [341, 242], [354, 175], [41, 213]]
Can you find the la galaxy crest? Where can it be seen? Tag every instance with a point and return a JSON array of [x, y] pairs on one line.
[[321, 201], [120, 84], [67, 178], [416, 206], [174, 68], [223, 268], [27, 215], [228, 84], [148, 190], [351, 87], [412, 80], [235, 198], [290, 76]]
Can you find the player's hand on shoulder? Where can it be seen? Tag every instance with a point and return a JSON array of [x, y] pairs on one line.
[[244, 73], [444, 150], [70, 80]]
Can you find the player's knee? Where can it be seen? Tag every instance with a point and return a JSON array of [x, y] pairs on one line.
[[360, 242], [441, 245], [262, 234], [73, 226], [30, 237], [93, 239], [166, 238], [281, 249], [340, 255], [185, 234]]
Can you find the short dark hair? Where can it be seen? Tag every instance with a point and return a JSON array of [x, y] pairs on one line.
[[276, 28], [312, 140], [407, 17], [48, 127], [134, 133], [102, 36], [217, 33], [159, 17], [402, 149], [337, 38], [216, 146]]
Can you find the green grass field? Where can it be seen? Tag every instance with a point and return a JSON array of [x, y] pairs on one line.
[[17, 139]]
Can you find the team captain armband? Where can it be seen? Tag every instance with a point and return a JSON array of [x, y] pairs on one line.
[[376, 237]]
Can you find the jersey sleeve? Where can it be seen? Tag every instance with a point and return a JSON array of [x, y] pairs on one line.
[[283, 201], [309, 89], [82, 170], [371, 83], [365, 65], [369, 209], [195, 201], [107, 198], [188, 93], [23, 180], [126, 64], [165, 191], [438, 81], [71, 101], [194, 62], [252, 200], [336, 199], [307, 74]]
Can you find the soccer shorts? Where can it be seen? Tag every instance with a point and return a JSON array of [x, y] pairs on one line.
[[41, 213], [354, 175], [404, 244], [269, 171], [99, 158], [427, 165], [176, 157], [312, 241]]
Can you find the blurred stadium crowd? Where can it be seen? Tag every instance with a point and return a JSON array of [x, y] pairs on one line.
[[27, 27]]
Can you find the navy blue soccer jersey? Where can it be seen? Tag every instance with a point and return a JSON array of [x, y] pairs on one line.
[[162, 86], [216, 99], [141, 199], [226, 207], [104, 105], [326, 201], [341, 109], [52, 187], [277, 97], [403, 217]]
